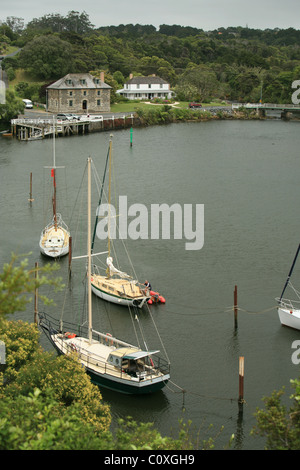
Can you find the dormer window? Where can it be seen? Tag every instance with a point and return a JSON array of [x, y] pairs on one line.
[[69, 82], [82, 81]]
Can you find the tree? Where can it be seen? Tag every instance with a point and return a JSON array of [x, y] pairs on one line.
[[47, 57], [11, 107], [280, 426]]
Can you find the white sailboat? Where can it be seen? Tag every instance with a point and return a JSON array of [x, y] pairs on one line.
[[116, 286], [54, 239], [289, 310], [110, 362]]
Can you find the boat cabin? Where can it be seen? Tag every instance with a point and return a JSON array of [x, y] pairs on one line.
[[131, 360]]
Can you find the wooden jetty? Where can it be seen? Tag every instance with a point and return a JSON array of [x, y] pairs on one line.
[[36, 129]]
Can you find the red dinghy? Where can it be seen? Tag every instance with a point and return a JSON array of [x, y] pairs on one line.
[[156, 298]]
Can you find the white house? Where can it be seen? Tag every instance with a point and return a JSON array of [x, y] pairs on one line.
[[146, 88]]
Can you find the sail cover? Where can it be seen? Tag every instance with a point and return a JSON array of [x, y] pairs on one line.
[[113, 270]]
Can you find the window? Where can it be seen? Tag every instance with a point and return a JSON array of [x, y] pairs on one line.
[[98, 102], [84, 93], [98, 92], [82, 81], [71, 93], [70, 103], [149, 85], [138, 86]]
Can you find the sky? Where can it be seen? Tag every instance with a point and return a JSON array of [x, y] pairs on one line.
[[202, 14]]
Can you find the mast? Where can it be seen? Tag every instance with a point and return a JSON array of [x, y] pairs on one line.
[[109, 195], [54, 180], [89, 273], [290, 273], [100, 199]]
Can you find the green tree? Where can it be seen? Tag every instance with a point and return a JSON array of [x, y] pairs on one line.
[[10, 108], [47, 57], [279, 425]]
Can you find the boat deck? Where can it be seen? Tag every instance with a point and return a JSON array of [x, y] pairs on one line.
[[55, 237], [95, 356], [117, 287]]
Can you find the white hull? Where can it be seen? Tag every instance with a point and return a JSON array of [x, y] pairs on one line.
[[289, 317], [54, 242], [137, 302]]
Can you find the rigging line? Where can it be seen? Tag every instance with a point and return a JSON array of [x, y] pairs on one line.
[[183, 390], [134, 327], [100, 199], [78, 193], [295, 290], [157, 332]]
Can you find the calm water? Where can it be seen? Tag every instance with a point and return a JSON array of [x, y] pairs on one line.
[[247, 176]]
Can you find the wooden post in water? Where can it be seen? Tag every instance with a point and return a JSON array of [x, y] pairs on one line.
[[235, 307], [70, 255], [241, 382], [36, 296], [30, 191]]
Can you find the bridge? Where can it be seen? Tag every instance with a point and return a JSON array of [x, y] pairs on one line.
[[262, 108]]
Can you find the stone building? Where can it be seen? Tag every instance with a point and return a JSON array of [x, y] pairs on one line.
[[78, 93]]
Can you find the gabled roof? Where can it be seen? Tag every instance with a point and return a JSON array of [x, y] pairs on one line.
[[145, 80], [78, 80]]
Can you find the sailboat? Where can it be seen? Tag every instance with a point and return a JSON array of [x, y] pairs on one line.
[[289, 310], [54, 239], [110, 362], [116, 286]]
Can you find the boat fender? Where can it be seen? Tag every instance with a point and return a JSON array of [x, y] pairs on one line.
[[291, 311], [70, 335], [73, 347], [150, 301], [111, 341]]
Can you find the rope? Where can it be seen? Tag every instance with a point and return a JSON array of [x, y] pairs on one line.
[[218, 312], [184, 391]]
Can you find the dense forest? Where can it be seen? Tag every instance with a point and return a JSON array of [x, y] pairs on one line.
[[235, 63]]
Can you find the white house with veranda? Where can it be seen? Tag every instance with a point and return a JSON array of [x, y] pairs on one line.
[[146, 88]]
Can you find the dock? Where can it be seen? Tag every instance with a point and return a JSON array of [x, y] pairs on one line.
[[35, 129]]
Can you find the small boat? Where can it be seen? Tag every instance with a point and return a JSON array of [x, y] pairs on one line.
[[54, 239], [110, 362], [156, 298], [289, 310], [116, 286]]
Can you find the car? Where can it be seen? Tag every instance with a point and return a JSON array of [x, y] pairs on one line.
[[67, 117], [28, 104], [195, 105], [64, 117]]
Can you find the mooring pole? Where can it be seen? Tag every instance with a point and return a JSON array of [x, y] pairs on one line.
[[131, 137], [36, 295], [70, 255], [30, 190], [241, 382], [235, 307]]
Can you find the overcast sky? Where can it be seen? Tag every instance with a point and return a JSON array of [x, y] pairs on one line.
[[203, 14]]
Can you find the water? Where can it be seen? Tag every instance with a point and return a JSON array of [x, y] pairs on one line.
[[247, 176]]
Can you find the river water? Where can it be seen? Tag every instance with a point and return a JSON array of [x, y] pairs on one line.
[[246, 174]]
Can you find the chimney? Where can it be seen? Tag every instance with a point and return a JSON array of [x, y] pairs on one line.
[[102, 76]]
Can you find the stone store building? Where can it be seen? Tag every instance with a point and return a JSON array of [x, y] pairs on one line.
[[78, 93]]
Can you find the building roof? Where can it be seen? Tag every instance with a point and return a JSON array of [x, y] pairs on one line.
[[145, 80], [78, 80]]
